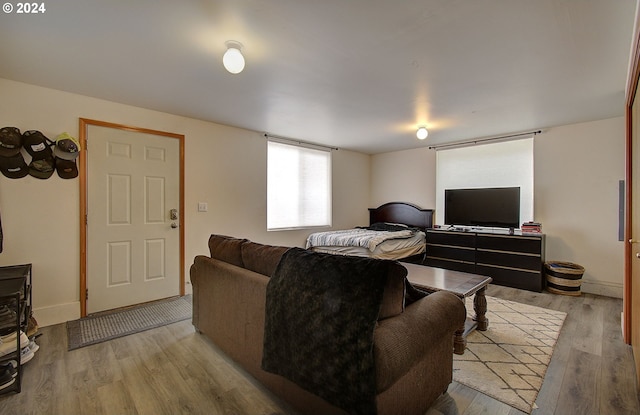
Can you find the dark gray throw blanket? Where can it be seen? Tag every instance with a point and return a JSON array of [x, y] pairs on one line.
[[321, 311]]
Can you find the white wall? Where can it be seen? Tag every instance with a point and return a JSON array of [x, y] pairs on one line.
[[404, 176], [576, 173], [224, 166]]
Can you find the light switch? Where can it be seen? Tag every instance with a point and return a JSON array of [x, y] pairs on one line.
[[202, 207]]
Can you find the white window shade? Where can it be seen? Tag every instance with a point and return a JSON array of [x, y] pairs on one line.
[[298, 186], [502, 164]]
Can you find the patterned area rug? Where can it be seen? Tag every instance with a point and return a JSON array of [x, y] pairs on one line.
[[509, 360], [105, 326]]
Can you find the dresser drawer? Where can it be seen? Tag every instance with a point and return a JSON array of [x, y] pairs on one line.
[[460, 239], [511, 260], [508, 243], [451, 252], [526, 280]]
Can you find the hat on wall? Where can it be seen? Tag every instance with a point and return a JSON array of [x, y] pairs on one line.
[[14, 167], [66, 169], [10, 141], [67, 147], [42, 162]]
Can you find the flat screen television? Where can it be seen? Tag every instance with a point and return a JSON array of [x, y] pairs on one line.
[[497, 207]]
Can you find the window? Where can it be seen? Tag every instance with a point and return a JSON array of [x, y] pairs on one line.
[[298, 186], [502, 164]]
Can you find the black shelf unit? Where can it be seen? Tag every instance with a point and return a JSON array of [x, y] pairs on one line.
[[15, 296], [511, 260]]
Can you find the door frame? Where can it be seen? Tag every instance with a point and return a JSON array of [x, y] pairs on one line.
[[82, 173], [632, 85]]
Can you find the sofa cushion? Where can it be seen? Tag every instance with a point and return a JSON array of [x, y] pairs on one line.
[[227, 249], [260, 258]]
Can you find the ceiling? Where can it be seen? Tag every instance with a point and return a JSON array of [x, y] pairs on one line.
[[358, 74]]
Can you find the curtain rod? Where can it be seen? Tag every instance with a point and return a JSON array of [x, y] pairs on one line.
[[481, 140], [298, 142]]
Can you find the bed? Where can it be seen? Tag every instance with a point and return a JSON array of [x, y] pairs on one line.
[[395, 231]]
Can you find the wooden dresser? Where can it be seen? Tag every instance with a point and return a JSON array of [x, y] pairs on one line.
[[511, 260]]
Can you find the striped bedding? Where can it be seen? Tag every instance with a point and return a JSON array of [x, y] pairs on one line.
[[364, 238]]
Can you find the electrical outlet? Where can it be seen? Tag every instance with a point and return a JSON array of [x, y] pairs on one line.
[[202, 207]]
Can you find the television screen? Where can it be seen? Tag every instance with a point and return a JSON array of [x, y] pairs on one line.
[[491, 207]]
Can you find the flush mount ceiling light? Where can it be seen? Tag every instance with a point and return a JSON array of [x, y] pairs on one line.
[[233, 60], [422, 133]]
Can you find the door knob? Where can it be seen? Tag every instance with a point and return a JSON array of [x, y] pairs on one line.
[[174, 225]]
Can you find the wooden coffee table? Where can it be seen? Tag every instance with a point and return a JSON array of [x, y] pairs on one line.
[[461, 284]]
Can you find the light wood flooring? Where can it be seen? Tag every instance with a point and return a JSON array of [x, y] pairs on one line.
[[591, 371], [173, 370]]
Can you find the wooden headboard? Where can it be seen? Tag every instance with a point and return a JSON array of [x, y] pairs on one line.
[[401, 212]]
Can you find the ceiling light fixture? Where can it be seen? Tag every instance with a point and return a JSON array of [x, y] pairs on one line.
[[422, 133], [233, 60]]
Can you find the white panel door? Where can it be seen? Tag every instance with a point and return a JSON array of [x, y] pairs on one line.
[[133, 241]]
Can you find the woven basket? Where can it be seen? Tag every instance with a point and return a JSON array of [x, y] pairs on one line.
[[563, 277]]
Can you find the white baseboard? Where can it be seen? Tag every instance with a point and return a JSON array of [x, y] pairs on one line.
[[60, 313], [606, 289]]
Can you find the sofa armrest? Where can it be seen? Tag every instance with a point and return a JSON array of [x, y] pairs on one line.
[[402, 341], [194, 271]]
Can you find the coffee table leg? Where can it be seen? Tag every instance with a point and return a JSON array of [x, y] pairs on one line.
[[459, 342], [459, 337], [480, 307]]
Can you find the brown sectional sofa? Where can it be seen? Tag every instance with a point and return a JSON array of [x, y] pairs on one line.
[[412, 344]]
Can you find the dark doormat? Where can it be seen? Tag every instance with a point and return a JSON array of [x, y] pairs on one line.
[[105, 326]]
